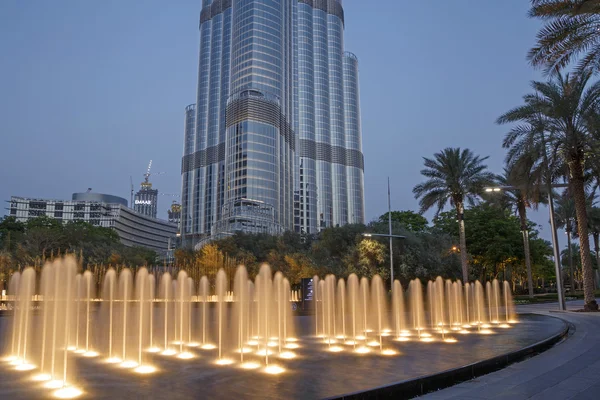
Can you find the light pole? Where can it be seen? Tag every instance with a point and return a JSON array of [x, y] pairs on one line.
[[391, 253], [555, 249], [390, 232]]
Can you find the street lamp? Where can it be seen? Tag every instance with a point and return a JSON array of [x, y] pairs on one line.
[[561, 296], [383, 235]]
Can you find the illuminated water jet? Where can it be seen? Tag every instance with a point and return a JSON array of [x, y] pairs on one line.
[[153, 350], [128, 364], [67, 392], [264, 352], [41, 377], [25, 367], [54, 384], [250, 365], [145, 369], [274, 369], [288, 355]]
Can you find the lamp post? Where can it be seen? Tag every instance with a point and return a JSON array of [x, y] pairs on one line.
[[555, 249], [390, 232], [391, 253]]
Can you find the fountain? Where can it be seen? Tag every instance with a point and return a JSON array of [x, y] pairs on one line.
[[125, 294], [398, 309], [509, 305], [166, 298], [22, 325], [108, 295], [417, 306], [354, 307], [317, 299], [221, 290], [260, 326]]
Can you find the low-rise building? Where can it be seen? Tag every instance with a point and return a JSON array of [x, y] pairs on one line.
[[133, 228]]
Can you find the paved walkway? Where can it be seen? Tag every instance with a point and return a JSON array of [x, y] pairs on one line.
[[569, 370]]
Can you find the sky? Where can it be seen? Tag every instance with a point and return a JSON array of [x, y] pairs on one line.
[[91, 91]]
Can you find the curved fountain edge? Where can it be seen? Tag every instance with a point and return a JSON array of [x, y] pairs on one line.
[[422, 385]]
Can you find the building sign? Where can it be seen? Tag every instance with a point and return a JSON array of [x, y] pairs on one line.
[[147, 202]]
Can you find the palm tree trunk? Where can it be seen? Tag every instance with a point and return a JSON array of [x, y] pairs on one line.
[[596, 236], [523, 218], [570, 255], [577, 184], [460, 209]]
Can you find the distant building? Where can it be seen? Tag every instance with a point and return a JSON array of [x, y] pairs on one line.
[[136, 229], [174, 213], [133, 228], [94, 208], [146, 200]]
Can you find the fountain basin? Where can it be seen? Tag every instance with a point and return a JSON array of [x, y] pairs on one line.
[[315, 373]]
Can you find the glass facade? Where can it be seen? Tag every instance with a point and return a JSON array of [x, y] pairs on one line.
[[276, 140]]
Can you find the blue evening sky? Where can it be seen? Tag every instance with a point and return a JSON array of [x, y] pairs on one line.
[[90, 91]]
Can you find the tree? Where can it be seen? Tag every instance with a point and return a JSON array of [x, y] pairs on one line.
[[494, 241], [299, 266], [570, 257], [457, 177], [411, 220], [11, 232], [368, 260], [571, 30], [566, 219], [562, 107], [526, 194], [594, 225]]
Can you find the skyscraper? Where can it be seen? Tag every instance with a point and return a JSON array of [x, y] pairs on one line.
[[273, 142], [146, 200]]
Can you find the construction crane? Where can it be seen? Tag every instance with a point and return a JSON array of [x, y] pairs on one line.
[[146, 183], [170, 194], [148, 173]]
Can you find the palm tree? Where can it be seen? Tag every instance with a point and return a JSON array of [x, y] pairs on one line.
[[526, 194], [571, 30], [594, 225], [562, 107], [456, 176], [570, 256], [566, 218]]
